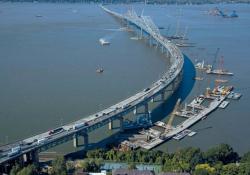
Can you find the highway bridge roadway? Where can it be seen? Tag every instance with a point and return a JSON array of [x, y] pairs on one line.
[[26, 150]]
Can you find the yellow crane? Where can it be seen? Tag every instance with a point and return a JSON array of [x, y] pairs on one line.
[[172, 115]]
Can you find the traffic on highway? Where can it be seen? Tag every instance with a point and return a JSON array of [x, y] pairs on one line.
[[41, 140]]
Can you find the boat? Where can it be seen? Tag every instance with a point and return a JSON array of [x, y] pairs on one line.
[[234, 96], [99, 70], [198, 78], [104, 42], [221, 81], [234, 15], [184, 45], [224, 104], [192, 133], [219, 72], [134, 38], [202, 66], [182, 134]]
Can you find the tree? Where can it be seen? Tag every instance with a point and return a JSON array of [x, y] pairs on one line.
[[204, 169], [223, 153], [29, 170], [59, 166], [244, 169], [230, 169], [15, 170], [84, 165], [246, 157]]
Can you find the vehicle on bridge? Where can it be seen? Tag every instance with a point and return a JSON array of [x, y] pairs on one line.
[[79, 125], [42, 140], [56, 131], [14, 151]]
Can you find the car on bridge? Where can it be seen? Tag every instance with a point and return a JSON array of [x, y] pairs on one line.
[[56, 131], [14, 151]]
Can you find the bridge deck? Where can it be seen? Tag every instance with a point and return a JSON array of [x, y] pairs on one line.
[[117, 110]]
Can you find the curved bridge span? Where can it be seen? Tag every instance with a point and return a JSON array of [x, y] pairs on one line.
[[26, 150]]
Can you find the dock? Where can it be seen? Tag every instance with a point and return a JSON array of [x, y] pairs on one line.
[[161, 132]]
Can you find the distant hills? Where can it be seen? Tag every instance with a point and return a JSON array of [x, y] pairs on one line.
[[148, 1]]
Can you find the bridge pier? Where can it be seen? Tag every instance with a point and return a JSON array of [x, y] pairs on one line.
[[75, 140], [168, 54], [152, 100], [141, 34], [135, 111], [86, 140], [35, 156], [162, 49], [173, 85], [20, 161], [150, 40], [110, 125], [162, 96], [146, 108], [5, 168], [121, 124]]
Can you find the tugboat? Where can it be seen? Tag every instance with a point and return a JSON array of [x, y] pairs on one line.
[[234, 15], [99, 70], [104, 42], [219, 72]]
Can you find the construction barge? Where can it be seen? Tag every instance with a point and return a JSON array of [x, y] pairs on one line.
[[193, 112]]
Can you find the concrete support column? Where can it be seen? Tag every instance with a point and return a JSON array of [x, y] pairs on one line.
[[162, 49], [146, 108], [25, 158], [86, 140], [162, 96], [121, 124], [173, 85], [152, 99], [135, 111], [149, 117], [35, 157], [75, 140], [168, 54], [21, 161], [2, 169], [110, 125], [150, 40], [141, 34]]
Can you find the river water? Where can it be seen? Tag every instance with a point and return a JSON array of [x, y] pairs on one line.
[[49, 54]]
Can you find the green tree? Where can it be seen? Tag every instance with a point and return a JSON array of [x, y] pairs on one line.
[[246, 157], [223, 153], [84, 165], [204, 169], [29, 170], [59, 166], [244, 169], [230, 169], [15, 169]]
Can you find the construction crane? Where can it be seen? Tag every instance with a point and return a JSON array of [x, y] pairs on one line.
[[215, 57], [172, 115]]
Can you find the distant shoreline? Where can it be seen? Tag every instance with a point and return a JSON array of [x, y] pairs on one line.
[[170, 2]]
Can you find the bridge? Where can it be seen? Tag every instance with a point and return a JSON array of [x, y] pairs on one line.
[[26, 150]]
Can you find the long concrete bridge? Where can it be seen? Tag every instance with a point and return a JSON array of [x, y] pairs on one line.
[[26, 150]]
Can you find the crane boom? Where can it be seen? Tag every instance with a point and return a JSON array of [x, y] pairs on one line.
[[215, 57], [171, 119]]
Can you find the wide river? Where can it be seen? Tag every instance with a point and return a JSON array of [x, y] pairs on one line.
[[49, 54]]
